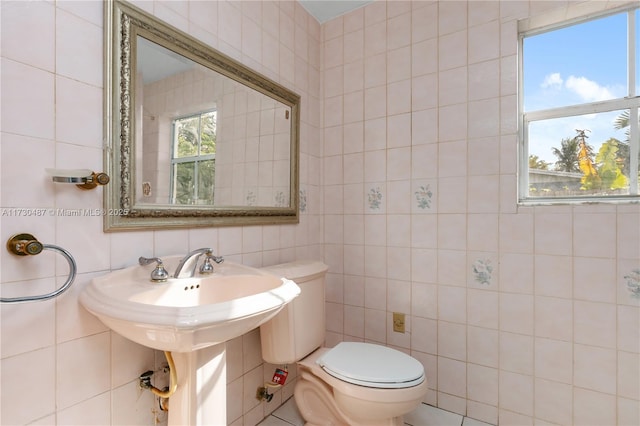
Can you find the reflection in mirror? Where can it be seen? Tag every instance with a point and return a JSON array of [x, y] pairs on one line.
[[194, 138], [207, 139]]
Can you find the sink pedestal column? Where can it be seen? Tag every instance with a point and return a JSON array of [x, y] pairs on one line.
[[201, 396]]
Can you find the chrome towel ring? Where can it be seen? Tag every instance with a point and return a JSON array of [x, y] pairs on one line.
[[27, 244]]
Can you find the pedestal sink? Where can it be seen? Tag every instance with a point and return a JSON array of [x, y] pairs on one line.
[[191, 318]]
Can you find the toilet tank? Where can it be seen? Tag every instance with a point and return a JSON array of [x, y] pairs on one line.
[[299, 328]]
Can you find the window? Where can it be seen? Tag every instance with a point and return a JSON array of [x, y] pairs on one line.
[[193, 159], [579, 111]]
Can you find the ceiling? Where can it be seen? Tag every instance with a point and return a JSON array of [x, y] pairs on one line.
[[157, 63], [325, 10]]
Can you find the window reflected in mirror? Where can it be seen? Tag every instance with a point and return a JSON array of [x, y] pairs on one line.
[[193, 159]]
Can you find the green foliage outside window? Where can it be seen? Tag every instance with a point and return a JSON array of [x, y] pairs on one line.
[[608, 171], [193, 172]]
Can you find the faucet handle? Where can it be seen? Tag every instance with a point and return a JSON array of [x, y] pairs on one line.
[[207, 267], [159, 274]]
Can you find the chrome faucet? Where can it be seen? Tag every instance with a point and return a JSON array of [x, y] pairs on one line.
[[159, 274], [187, 266]]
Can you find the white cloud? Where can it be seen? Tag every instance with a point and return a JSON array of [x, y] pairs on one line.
[[588, 90], [552, 80]]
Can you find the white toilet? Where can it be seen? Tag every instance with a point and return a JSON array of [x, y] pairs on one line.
[[351, 384]]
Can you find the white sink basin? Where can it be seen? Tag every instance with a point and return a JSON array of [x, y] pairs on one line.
[[187, 314]]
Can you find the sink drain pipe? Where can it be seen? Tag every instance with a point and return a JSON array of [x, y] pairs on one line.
[[145, 380]]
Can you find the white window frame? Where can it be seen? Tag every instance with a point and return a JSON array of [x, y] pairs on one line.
[[630, 102], [191, 159]]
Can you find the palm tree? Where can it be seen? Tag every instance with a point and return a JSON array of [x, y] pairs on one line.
[[567, 155], [621, 122], [536, 163]]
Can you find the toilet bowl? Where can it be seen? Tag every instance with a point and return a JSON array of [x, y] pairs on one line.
[[353, 383]]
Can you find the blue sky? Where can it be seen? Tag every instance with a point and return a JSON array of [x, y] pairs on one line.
[[573, 65]]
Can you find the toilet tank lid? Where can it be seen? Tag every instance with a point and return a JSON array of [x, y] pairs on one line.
[[296, 270], [371, 364]]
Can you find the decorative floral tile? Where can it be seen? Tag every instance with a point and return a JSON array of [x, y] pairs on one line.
[[482, 271], [250, 198], [423, 197], [303, 200], [633, 283], [280, 199], [374, 199]]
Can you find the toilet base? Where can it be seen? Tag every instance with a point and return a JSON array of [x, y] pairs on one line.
[[325, 400], [318, 407]]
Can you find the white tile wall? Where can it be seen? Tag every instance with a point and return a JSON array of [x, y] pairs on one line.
[[520, 315]]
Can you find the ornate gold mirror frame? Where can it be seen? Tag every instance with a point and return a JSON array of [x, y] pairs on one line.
[[123, 24]]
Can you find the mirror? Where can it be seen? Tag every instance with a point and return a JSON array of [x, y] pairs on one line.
[[194, 138]]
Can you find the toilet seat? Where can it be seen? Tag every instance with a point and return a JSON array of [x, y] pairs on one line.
[[371, 365]]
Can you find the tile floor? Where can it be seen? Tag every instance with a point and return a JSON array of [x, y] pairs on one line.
[[424, 415]]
